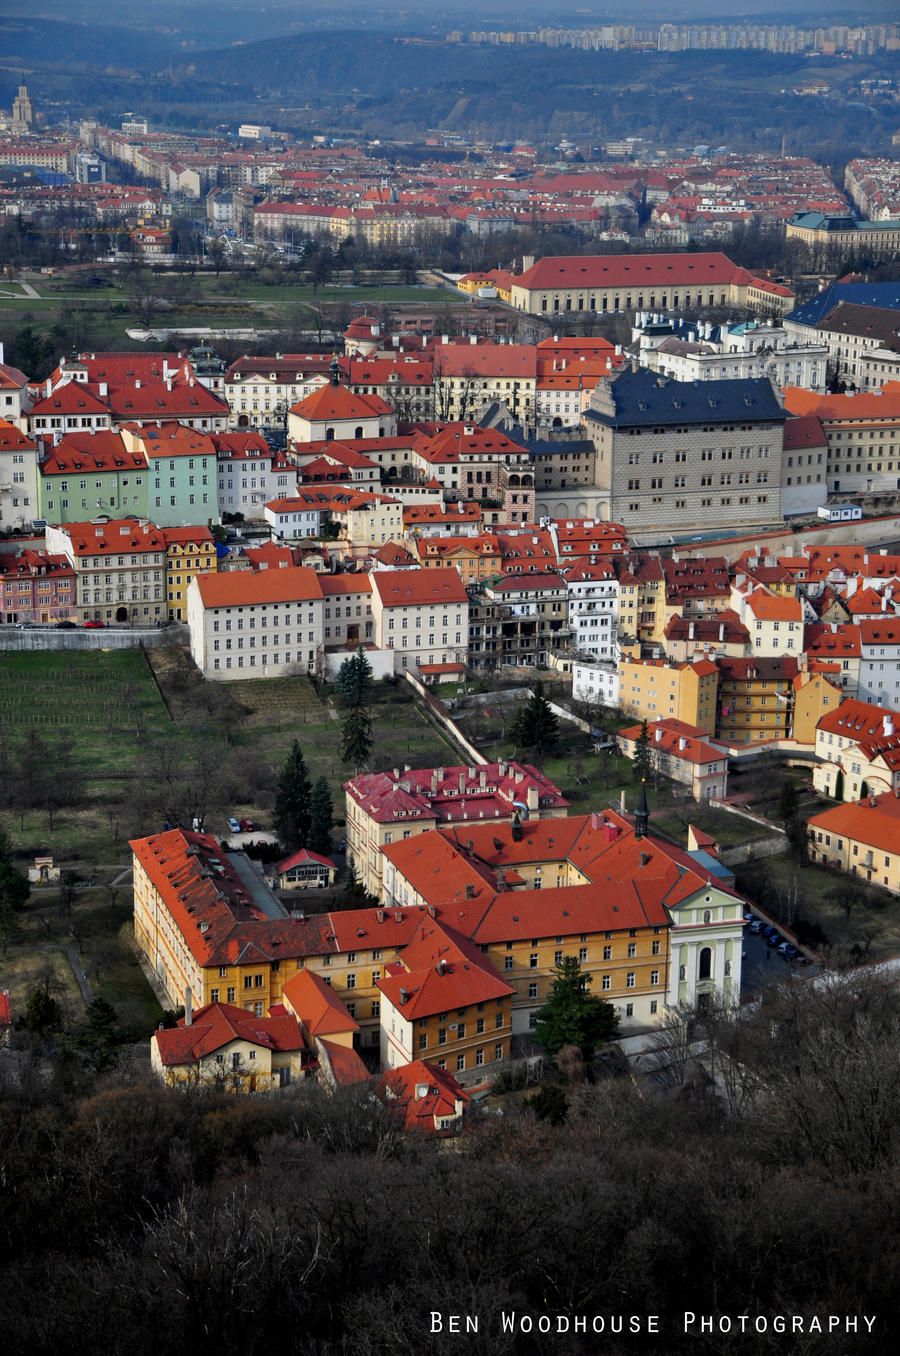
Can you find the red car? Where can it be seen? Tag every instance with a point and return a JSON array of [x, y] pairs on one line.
[[93, 626], [247, 826]]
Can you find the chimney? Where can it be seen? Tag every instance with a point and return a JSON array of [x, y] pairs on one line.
[[473, 338], [404, 997], [441, 967], [596, 820], [188, 1012], [887, 726], [721, 630], [658, 734], [532, 799], [690, 630], [462, 782], [516, 827]]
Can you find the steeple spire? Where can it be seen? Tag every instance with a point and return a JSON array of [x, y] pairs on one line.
[[642, 813]]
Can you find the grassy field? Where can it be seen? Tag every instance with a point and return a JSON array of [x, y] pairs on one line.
[[104, 313], [99, 720]]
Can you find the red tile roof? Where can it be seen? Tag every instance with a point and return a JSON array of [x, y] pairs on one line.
[[241, 588], [439, 970], [419, 588], [314, 1003], [424, 1094], [219, 1024]]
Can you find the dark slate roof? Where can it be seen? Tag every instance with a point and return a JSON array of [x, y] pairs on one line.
[[646, 398], [547, 447], [885, 294]]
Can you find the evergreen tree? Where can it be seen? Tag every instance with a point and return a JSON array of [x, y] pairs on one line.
[[642, 767], [292, 813], [787, 800], [571, 1016], [321, 817], [98, 1036], [535, 727], [357, 742], [354, 680], [14, 890]]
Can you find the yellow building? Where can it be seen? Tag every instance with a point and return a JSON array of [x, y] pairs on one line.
[[862, 838], [755, 699], [476, 558], [221, 1047], [654, 689], [527, 895], [189, 551]]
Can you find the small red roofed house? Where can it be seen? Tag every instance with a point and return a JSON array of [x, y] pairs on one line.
[[226, 1047], [305, 870], [427, 1096], [684, 753]]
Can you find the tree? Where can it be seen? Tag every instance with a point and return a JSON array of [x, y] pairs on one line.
[[292, 814], [321, 817], [839, 785], [42, 1012], [14, 890], [535, 726], [788, 800], [354, 680], [572, 1016], [97, 1037], [357, 742], [642, 765]]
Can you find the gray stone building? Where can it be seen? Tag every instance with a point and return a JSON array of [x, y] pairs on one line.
[[682, 457]]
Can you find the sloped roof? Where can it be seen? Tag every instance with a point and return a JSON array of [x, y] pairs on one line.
[[316, 1005], [219, 1024], [645, 398], [237, 588]]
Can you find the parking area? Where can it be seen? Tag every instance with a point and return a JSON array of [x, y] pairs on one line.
[[761, 964]]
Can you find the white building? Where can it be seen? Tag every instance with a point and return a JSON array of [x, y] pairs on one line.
[[596, 683], [701, 351], [422, 615], [18, 477], [250, 474], [255, 624], [593, 611], [879, 660]]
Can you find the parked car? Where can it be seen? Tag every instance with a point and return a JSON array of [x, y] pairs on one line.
[[770, 931], [65, 626], [247, 826], [93, 626], [785, 948], [234, 826], [748, 916], [342, 845], [756, 926], [774, 940]]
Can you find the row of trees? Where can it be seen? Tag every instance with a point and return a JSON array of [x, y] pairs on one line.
[[770, 1186]]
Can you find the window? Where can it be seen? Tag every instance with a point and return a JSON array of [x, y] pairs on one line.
[[248, 981], [607, 953], [629, 1009], [257, 981], [532, 990], [508, 962], [632, 950], [654, 976], [654, 949], [214, 995], [499, 1019], [582, 955], [606, 982], [442, 1035], [423, 1040], [629, 980], [460, 1062], [533, 960], [231, 995], [351, 981]]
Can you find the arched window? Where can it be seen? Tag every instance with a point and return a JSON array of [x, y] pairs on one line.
[[358, 432], [329, 435], [705, 963]]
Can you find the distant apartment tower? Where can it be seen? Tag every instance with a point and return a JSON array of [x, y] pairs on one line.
[[22, 112]]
